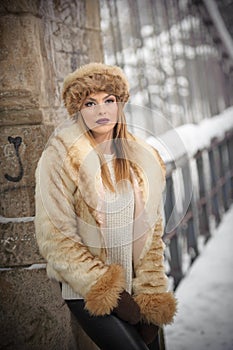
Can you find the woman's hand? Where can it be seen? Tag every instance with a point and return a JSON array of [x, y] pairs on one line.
[[127, 309], [147, 331]]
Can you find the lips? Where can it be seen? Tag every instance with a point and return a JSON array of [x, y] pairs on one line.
[[102, 121]]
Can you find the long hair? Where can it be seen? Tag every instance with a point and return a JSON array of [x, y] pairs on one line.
[[121, 148]]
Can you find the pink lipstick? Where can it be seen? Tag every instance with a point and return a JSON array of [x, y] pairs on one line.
[[103, 121]]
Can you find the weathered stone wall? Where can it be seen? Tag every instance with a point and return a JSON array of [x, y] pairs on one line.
[[71, 37], [41, 41]]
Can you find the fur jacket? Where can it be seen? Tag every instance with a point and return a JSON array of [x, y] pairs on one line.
[[68, 226]]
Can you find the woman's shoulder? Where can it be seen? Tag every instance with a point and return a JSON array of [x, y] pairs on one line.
[[69, 132], [64, 136]]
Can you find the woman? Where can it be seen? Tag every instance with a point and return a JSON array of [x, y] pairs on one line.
[[98, 216]]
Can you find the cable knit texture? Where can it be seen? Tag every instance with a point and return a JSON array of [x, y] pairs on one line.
[[118, 231]]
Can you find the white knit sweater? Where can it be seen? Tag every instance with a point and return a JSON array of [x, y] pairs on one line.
[[117, 230]]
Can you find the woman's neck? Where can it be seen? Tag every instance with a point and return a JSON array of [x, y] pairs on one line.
[[105, 143]]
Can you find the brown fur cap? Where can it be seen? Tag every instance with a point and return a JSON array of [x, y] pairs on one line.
[[92, 78]]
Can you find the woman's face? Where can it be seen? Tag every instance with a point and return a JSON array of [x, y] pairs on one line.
[[100, 113]]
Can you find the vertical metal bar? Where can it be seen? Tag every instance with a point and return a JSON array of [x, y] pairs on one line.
[[170, 21], [159, 25], [191, 50], [207, 53], [174, 246], [118, 34], [187, 98], [142, 63], [229, 145], [214, 183], [113, 22], [223, 173], [202, 203], [191, 217]]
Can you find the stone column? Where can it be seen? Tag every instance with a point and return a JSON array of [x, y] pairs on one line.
[[41, 41]]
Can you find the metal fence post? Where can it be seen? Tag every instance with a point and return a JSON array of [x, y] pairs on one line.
[[229, 145], [190, 220], [174, 246], [223, 162], [202, 202], [214, 167]]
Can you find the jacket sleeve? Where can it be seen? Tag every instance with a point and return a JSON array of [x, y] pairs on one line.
[[68, 259], [150, 285], [158, 306]]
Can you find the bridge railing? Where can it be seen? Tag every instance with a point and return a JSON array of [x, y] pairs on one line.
[[199, 190]]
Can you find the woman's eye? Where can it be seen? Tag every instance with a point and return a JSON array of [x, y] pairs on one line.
[[89, 104], [110, 100]]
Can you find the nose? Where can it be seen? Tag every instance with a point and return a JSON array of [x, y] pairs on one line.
[[101, 108]]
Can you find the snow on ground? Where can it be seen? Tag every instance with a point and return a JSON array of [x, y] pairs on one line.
[[205, 297]]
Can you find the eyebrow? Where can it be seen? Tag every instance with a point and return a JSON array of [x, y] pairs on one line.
[[94, 100]]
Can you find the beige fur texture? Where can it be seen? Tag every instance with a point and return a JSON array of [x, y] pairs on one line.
[[69, 234], [150, 274], [158, 308], [103, 296], [91, 78]]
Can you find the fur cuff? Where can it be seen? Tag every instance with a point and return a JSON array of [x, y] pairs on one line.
[[158, 308], [103, 295]]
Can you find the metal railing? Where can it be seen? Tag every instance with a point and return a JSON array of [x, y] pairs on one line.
[[207, 180]]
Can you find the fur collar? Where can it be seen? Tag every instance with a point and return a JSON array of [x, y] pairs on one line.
[[84, 168]]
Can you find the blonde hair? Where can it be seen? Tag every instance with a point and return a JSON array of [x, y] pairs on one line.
[[121, 147]]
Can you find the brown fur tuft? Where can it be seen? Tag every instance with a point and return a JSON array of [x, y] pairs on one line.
[[161, 162], [158, 308], [103, 296], [92, 78]]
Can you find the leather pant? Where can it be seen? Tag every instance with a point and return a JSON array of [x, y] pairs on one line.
[[107, 332]]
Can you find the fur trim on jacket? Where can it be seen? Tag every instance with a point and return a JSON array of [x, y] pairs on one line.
[[68, 226]]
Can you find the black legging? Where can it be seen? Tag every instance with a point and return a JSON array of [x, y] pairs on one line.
[[107, 332]]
